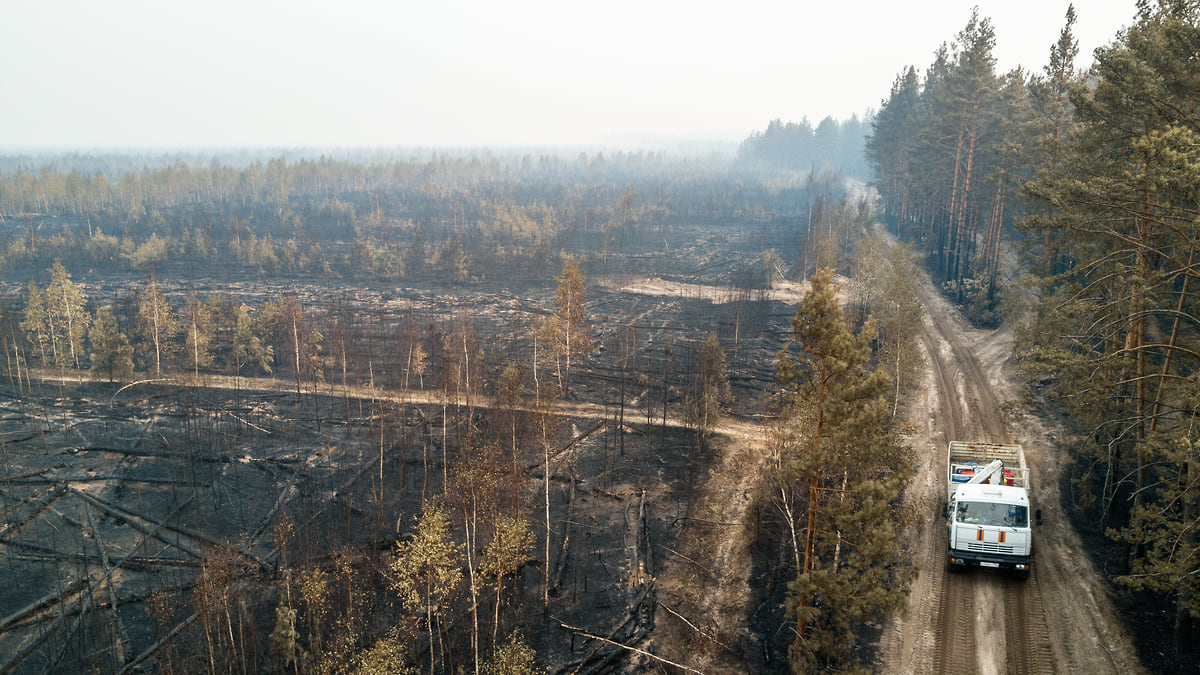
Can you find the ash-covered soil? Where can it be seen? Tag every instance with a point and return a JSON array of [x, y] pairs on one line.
[[140, 518], [126, 505]]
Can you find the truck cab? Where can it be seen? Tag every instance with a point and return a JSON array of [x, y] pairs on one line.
[[989, 526]]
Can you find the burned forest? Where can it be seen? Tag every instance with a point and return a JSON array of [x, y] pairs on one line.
[[506, 414]]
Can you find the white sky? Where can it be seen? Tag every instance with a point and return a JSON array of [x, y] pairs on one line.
[[187, 74]]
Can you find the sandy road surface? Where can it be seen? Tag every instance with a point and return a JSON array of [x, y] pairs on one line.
[[1062, 619]]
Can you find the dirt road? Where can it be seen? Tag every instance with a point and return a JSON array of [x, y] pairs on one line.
[[1062, 619]]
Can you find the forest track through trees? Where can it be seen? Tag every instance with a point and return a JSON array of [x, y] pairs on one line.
[[1060, 620]]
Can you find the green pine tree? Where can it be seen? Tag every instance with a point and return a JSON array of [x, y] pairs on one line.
[[112, 355], [839, 450]]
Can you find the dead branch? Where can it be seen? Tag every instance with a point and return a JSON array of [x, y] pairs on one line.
[[40, 504], [249, 424], [25, 436], [283, 494], [122, 636], [113, 398], [85, 605], [157, 454], [631, 613], [26, 649], [41, 603], [568, 447], [36, 552], [59, 556], [722, 645], [643, 538], [697, 564], [614, 643], [135, 522], [345, 487], [88, 597], [562, 555], [21, 477], [152, 649], [47, 480], [132, 517]]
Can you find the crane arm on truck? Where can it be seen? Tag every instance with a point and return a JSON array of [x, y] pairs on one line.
[[985, 474]]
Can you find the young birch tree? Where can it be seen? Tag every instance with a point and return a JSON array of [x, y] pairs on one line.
[[427, 569], [157, 326], [569, 301]]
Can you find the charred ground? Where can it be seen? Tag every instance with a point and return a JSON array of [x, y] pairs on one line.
[[144, 518]]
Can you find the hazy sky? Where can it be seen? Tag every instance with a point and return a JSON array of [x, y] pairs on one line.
[[89, 74]]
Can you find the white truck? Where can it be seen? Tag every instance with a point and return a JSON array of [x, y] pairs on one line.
[[988, 510]]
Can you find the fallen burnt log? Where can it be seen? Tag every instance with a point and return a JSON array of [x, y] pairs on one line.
[[9, 529], [25, 650], [124, 480], [153, 649], [635, 625], [137, 521], [31, 551], [122, 635], [566, 544], [156, 454], [47, 600]]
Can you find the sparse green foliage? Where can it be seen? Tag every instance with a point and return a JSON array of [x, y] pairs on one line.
[[148, 254], [417, 365], [248, 347], [285, 652], [199, 331], [56, 318], [569, 301], [885, 278], [112, 355], [67, 309], [426, 571], [36, 324], [386, 657], [315, 596], [1113, 336], [702, 403], [514, 657], [511, 546], [157, 327]]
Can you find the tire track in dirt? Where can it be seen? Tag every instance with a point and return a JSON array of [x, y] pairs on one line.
[[954, 648], [944, 381], [911, 643], [975, 405], [955, 642], [1033, 653]]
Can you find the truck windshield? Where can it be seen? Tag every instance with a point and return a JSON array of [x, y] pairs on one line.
[[989, 513]]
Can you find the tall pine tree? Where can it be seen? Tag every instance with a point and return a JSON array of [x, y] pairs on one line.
[[840, 449]]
